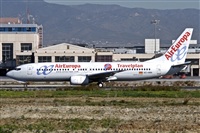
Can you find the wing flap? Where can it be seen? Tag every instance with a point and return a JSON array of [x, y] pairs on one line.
[[102, 76]]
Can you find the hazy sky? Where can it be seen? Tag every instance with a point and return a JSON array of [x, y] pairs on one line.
[[149, 4]]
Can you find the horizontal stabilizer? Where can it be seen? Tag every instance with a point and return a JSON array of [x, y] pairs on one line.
[[186, 63]]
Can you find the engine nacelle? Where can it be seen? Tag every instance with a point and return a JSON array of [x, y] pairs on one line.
[[79, 80]]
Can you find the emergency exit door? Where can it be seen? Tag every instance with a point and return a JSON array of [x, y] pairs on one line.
[[158, 69], [29, 70]]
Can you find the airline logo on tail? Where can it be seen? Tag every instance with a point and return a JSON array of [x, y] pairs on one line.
[[175, 48]]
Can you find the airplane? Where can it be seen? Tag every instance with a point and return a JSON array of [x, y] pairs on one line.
[[84, 73]]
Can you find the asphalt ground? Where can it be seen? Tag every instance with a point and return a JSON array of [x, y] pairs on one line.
[[194, 78], [8, 83]]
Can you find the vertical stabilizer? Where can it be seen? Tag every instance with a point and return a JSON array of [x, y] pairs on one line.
[[176, 54]]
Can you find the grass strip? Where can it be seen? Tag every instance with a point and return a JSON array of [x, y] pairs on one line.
[[49, 125], [98, 93]]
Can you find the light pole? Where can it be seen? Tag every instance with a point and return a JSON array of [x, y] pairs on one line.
[[155, 22]]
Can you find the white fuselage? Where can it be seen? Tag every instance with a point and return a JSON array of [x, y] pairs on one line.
[[123, 71]]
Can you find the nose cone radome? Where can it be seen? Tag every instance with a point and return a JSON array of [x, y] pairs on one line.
[[9, 74]]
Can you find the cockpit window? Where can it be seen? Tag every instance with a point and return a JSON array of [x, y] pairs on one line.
[[17, 68]]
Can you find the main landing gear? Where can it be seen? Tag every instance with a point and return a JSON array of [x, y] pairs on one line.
[[100, 84]]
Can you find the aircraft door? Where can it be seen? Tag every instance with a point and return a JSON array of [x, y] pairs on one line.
[[29, 70], [158, 69]]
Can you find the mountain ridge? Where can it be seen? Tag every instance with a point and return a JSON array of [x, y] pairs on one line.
[[104, 25]]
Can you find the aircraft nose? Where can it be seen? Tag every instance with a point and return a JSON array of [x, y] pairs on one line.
[[10, 74]]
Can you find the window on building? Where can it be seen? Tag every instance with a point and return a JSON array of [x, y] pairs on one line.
[[84, 58], [142, 60], [128, 59], [104, 58], [23, 59], [28, 28], [7, 51], [18, 29], [64, 59], [44, 59], [26, 47], [9, 29], [33, 29]]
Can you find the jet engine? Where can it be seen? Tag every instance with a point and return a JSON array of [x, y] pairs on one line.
[[79, 80]]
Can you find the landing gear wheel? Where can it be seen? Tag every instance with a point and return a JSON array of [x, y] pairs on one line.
[[100, 84]]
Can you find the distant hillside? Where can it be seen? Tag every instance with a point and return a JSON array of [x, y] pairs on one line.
[[110, 24]]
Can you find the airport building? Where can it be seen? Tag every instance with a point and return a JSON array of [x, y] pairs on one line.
[[64, 52], [18, 42], [22, 43]]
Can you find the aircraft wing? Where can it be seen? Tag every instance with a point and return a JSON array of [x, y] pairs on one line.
[[102, 76]]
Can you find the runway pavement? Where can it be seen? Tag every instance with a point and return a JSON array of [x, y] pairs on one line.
[[194, 78], [190, 83]]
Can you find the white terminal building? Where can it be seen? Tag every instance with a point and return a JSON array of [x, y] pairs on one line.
[[23, 43]]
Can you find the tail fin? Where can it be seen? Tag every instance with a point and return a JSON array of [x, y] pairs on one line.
[[176, 54]]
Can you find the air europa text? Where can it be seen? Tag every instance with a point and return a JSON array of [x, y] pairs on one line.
[[67, 66], [176, 46]]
